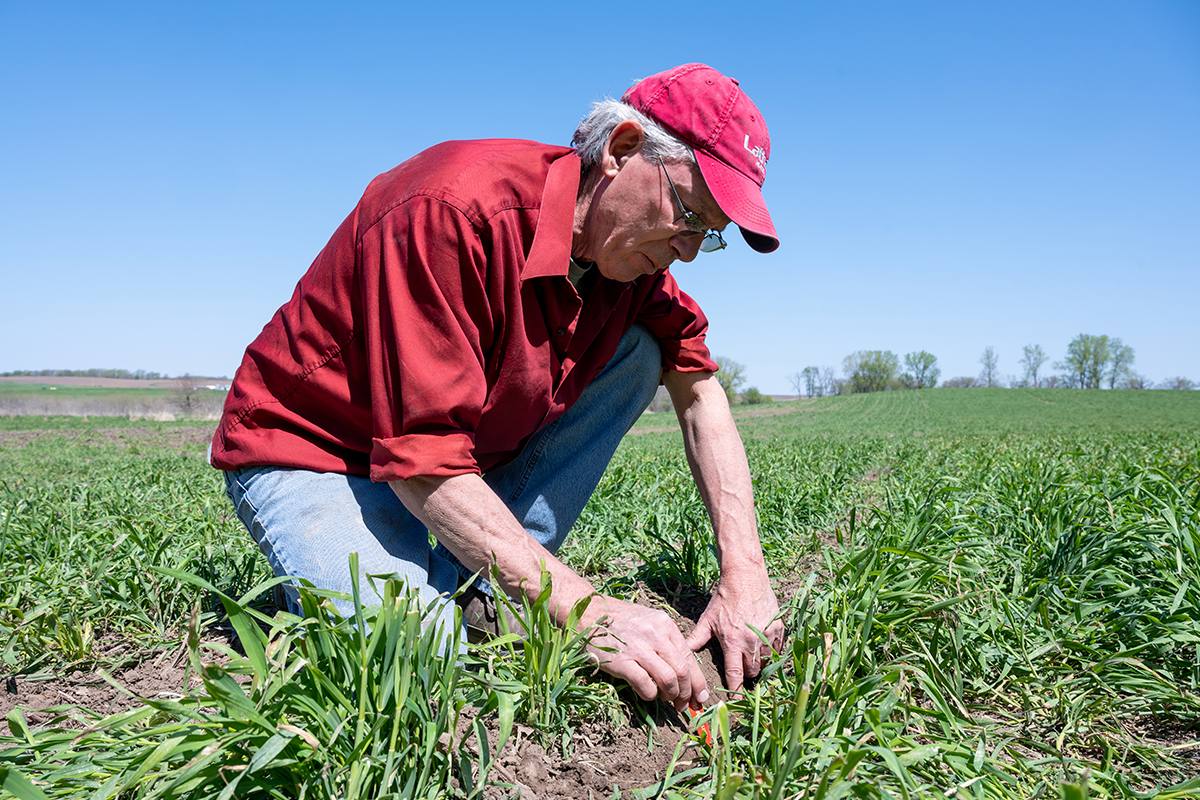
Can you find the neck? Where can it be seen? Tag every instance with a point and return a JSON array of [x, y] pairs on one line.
[[580, 241], [590, 190]]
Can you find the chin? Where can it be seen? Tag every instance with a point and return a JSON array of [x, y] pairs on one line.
[[623, 273], [627, 267]]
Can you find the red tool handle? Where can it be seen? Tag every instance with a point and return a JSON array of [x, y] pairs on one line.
[[695, 712]]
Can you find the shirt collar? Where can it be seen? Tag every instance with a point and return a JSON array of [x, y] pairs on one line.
[[550, 252]]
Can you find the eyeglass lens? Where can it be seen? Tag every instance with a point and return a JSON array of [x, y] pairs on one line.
[[712, 240]]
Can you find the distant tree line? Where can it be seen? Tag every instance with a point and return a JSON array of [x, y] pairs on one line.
[[137, 374], [869, 371], [1091, 362]]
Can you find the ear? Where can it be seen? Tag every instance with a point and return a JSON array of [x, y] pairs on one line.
[[623, 143]]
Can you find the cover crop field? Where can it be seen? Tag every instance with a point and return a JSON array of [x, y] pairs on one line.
[[989, 594]]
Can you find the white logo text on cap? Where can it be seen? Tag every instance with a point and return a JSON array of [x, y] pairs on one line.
[[760, 155]]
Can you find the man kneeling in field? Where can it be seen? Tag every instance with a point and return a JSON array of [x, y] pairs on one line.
[[467, 351]]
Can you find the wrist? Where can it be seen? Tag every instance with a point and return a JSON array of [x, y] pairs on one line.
[[743, 580], [599, 608], [745, 568]]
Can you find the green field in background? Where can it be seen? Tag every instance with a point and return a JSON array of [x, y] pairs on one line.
[[13, 388], [929, 412]]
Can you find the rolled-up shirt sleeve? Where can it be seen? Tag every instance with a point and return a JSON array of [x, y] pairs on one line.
[[427, 336], [679, 324]]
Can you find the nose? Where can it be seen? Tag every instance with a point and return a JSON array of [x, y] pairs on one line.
[[687, 244]]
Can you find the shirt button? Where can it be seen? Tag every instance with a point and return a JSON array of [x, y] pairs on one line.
[[561, 332]]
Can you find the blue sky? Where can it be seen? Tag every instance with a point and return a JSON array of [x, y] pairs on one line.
[[944, 176]]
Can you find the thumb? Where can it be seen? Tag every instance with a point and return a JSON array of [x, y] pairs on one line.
[[699, 635]]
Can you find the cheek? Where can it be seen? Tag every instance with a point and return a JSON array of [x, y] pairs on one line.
[[637, 217], [624, 235]]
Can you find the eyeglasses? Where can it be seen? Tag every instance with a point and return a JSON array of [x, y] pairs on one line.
[[712, 239]]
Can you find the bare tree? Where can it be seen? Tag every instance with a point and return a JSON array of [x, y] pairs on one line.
[[796, 379], [1033, 359], [1178, 382], [808, 382], [990, 375], [185, 394], [829, 382]]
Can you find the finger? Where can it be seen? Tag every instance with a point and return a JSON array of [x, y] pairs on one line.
[[751, 656], [734, 673], [699, 686], [638, 678], [756, 657], [700, 635], [762, 653], [683, 683], [693, 686], [628, 669], [776, 633], [667, 679]]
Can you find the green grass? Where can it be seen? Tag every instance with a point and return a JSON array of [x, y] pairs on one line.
[[15, 389], [84, 522], [322, 708], [1006, 604], [933, 412]]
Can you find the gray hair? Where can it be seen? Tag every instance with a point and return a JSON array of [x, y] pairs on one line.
[[607, 114]]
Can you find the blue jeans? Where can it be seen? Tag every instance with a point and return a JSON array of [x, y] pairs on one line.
[[307, 523]]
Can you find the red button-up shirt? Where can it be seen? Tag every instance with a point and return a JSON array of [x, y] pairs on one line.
[[437, 331]]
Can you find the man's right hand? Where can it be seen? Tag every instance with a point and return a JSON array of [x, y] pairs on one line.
[[644, 647], [648, 651]]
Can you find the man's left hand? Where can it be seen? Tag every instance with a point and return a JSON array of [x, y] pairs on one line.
[[735, 606]]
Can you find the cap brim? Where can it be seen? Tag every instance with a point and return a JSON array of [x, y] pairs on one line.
[[742, 201]]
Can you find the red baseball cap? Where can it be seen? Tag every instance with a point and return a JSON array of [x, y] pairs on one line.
[[711, 113]]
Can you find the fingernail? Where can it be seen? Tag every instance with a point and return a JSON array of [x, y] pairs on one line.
[[703, 698]]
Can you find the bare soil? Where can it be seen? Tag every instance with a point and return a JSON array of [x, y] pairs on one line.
[[604, 759], [57, 700]]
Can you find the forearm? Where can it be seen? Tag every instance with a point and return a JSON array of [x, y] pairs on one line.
[[743, 605], [718, 463], [465, 515]]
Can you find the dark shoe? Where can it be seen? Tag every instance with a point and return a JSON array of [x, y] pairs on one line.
[[481, 616], [279, 597]]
